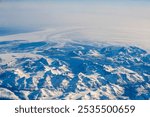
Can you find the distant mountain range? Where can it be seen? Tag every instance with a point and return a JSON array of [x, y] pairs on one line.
[[73, 70]]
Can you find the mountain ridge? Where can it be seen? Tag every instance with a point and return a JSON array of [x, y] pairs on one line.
[[43, 70]]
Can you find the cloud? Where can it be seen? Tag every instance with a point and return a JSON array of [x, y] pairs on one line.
[[57, 14], [121, 20]]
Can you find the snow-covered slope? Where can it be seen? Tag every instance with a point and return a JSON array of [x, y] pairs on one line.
[[52, 69]]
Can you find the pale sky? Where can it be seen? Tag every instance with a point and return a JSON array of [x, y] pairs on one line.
[[95, 13]]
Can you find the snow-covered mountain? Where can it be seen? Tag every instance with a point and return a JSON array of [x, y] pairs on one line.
[[52, 69]]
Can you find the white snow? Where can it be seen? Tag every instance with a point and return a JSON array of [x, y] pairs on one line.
[[10, 58], [53, 70], [71, 75], [77, 95], [25, 94], [65, 83], [131, 75], [7, 94], [64, 68], [94, 53], [107, 92], [21, 74], [108, 68], [46, 94], [91, 76], [95, 95], [118, 89], [141, 90], [49, 60]]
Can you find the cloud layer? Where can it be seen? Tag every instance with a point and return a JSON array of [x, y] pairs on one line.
[[127, 20]]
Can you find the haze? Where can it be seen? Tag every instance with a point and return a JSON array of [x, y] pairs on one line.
[[127, 20]]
